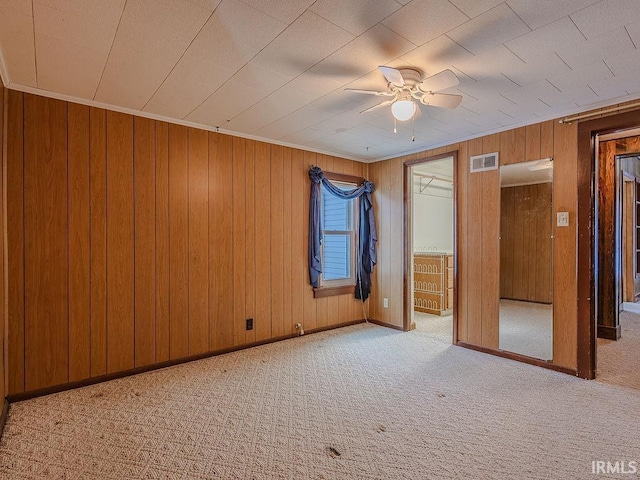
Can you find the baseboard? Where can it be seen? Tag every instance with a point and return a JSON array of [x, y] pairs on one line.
[[3, 416], [631, 307], [520, 358], [383, 324], [18, 397], [609, 333]]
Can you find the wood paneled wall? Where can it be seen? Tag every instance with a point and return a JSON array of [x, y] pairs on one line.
[[478, 230], [525, 242], [133, 242]]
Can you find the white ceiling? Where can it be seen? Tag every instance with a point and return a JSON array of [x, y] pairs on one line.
[[276, 69]]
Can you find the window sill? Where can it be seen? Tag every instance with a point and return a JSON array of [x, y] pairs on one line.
[[323, 292]]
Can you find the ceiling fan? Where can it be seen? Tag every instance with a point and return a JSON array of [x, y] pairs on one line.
[[406, 85]]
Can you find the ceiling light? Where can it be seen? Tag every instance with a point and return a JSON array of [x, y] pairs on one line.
[[403, 110]]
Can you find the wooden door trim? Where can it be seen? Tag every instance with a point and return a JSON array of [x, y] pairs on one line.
[[408, 255]]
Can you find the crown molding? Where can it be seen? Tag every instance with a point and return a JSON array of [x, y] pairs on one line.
[[162, 118]]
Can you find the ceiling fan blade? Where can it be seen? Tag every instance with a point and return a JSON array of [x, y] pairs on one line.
[[392, 75], [382, 104], [370, 92], [441, 100], [439, 81]]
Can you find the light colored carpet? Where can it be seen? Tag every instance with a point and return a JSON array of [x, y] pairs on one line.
[[526, 328], [618, 363], [362, 402]]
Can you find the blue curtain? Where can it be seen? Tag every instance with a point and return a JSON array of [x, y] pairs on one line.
[[367, 235]]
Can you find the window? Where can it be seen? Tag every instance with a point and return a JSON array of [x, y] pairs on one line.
[[339, 238]]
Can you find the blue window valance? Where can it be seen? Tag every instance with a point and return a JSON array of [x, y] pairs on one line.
[[367, 236]]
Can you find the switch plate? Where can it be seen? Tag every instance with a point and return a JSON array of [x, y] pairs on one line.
[[562, 219], [385, 302], [249, 324]]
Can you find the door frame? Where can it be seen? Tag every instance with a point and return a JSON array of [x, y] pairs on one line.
[[407, 241], [587, 226]]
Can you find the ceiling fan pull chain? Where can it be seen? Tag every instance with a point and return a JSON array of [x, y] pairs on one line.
[[395, 125], [413, 128]]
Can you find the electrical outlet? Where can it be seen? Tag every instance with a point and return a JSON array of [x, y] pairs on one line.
[[249, 324], [385, 302]]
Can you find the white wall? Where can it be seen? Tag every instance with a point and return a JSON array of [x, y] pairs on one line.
[[432, 223]]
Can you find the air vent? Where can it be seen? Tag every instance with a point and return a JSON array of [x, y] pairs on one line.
[[481, 163]]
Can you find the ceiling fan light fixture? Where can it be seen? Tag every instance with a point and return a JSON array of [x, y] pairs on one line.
[[403, 110]]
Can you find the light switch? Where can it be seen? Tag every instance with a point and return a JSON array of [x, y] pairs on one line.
[[563, 219]]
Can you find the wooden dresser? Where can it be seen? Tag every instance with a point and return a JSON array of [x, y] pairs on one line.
[[433, 283]]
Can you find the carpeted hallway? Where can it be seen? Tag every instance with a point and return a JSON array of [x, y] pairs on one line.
[[618, 362], [363, 402]]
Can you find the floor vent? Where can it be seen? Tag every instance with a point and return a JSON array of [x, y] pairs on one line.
[[482, 163]]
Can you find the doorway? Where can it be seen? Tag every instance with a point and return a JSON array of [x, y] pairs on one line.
[[430, 240], [618, 256]]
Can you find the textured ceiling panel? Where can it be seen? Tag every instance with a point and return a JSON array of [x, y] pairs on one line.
[[233, 35], [473, 8], [546, 40], [616, 42], [286, 11], [278, 69], [17, 42], [424, 20], [139, 52], [355, 16], [539, 13], [304, 43], [498, 25], [606, 16]]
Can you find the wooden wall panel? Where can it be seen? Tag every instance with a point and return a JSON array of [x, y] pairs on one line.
[[198, 241], [15, 241], [277, 240], [45, 210], [178, 242], [221, 262], [250, 239], [79, 243], [98, 193], [511, 146], [144, 157], [474, 250], [564, 246], [261, 241], [162, 242], [239, 241], [532, 143], [288, 226], [299, 270], [120, 243]]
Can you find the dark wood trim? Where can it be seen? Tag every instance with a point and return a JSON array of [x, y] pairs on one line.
[[608, 332], [322, 292], [587, 272], [4, 416], [519, 358], [407, 282], [388, 325], [343, 177], [18, 397]]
